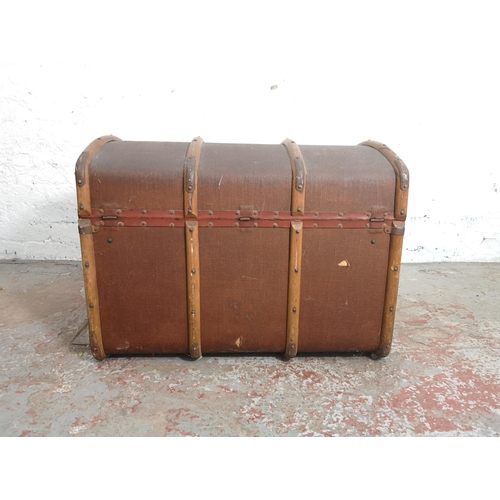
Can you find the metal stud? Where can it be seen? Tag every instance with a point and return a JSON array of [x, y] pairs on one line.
[[275, 225], [101, 210], [299, 209], [118, 212], [276, 213], [172, 212], [81, 207], [87, 264], [294, 310], [210, 224], [341, 214], [340, 226], [255, 212], [391, 309], [315, 225], [396, 268], [120, 224], [144, 212], [237, 212], [210, 213], [255, 224], [373, 242], [236, 224], [101, 223], [171, 224], [316, 214], [190, 211], [110, 240], [143, 223], [91, 305]]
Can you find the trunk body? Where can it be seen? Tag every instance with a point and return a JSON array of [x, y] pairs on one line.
[[219, 248]]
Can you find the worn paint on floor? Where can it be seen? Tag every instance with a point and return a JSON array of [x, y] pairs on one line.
[[442, 377]]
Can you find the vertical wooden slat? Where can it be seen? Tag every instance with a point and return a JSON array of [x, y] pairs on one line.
[[391, 292], [191, 178], [294, 277], [91, 293], [193, 288], [299, 174], [87, 242]]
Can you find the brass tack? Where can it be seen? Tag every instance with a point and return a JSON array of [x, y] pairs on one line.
[[171, 224], [171, 212], [373, 242], [79, 181], [315, 225], [341, 214], [340, 226], [299, 209], [255, 212], [402, 212], [101, 223], [210, 224], [91, 305], [190, 211], [367, 225], [120, 224], [396, 268], [368, 214], [255, 224], [118, 212], [87, 264], [296, 269], [237, 212], [276, 213], [143, 223], [191, 229], [144, 212], [294, 309], [210, 212], [391, 309], [81, 207], [316, 214], [236, 224], [297, 231], [101, 210], [193, 271], [275, 225], [110, 240]]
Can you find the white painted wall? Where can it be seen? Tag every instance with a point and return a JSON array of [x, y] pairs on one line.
[[420, 76]]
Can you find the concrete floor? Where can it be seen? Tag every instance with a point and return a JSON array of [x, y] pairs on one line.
[[441, 379]]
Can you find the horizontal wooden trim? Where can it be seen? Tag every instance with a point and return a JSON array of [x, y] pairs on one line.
[[175, 218]]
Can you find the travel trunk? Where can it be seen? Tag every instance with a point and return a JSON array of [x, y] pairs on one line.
[[202, 248]]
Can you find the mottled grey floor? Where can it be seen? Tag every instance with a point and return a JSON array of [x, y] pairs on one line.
[[442, 377]]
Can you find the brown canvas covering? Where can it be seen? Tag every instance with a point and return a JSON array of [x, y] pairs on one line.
[[198, 248]]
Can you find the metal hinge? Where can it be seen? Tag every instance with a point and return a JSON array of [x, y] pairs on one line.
[[85, 227], [397, 228]]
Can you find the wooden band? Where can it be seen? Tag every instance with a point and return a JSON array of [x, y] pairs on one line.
[[191, 178], [193, 288], [299, 173], [87, 243], [402, 177], [391, 291], [294, 277], [82, 173]]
